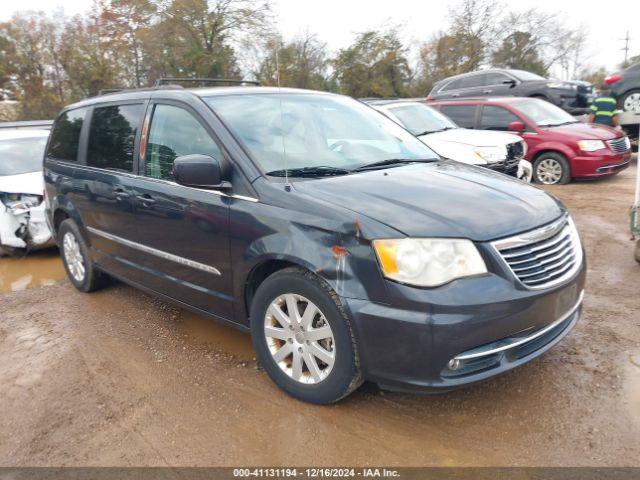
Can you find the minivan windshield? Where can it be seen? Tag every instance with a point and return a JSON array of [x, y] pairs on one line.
[[420, 119], [317, 132], [21, 155], [543, 113]]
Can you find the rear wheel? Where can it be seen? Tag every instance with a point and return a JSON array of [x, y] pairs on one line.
[[630, 101], [81, 270], [303, 337], [551, 168]]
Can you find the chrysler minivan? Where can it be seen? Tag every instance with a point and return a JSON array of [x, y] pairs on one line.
[[347, 248]]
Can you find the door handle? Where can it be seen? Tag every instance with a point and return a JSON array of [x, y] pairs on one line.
[[455, 94], [120, 193], [488, 91], [146, 199]]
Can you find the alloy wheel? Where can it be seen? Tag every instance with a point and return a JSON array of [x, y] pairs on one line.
[[549, 171], [299, 338], [632, 103], [73, 256]]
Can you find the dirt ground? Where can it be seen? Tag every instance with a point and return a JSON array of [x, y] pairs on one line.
[[119, 378]]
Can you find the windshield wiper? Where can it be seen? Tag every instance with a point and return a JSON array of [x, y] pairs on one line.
[[319, 171], [391, 162], [427, 132]]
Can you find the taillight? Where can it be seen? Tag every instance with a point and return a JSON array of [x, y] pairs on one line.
[[613, 78], [429, 98]]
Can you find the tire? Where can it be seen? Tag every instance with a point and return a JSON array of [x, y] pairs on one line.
[[637, 252], [81, 270], [324, 383], [551, 168], [633, 96]]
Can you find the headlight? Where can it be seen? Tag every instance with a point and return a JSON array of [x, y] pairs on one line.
[[570, 86], [428, 262], [491, 154], [591, 145]]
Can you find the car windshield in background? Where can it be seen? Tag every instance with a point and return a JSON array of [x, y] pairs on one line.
[[421, 120], [526, 76], [326, 131], [543, 113], [21, 155]]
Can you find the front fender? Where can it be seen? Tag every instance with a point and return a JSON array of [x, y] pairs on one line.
[[336, 250], [550, 146]]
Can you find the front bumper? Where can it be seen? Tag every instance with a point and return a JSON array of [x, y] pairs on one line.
[[25, 228], [408, 344], [599, 164]]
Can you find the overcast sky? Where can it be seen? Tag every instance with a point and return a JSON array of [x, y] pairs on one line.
[[336, 21]]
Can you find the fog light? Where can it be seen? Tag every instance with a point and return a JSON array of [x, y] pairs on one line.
[[454, 364]]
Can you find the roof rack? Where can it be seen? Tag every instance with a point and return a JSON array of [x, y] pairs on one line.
[[202, 81]]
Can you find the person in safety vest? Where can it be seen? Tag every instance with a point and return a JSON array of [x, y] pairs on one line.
[[604, 109]]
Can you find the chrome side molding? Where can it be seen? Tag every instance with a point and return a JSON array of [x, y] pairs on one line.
[[156, 252]]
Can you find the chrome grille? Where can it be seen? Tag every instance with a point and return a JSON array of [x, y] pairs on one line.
[[620, 145], [543, 257]]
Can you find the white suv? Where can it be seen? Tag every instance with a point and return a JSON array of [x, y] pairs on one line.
[[502, 152]]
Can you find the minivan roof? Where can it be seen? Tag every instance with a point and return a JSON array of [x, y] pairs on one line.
[[145, 93]]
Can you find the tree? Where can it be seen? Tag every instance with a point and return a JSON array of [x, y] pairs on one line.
[[30, 64], [545, 42], [519, 50], [194, 38], [374, 66], [302, 63]]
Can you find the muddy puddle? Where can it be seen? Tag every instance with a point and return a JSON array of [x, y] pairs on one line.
[[37, 269], [222, 337]]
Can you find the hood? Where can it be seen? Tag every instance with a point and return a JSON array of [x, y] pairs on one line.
[[473, 138], [586, 131], [31, 183], [440, 199]]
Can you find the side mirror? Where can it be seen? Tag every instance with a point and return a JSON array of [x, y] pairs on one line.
[[516, 127], [511, 82], [201, 171]]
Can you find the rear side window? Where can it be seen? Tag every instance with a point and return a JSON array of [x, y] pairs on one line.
[[463, 115], [175, 132], [112, 136], [473, 81], [65, 136], [496, 118]]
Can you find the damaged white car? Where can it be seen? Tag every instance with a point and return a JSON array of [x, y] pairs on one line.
[[22, 222]]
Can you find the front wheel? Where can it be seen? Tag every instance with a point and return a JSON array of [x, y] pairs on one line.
[[303, 338], [551, 168]]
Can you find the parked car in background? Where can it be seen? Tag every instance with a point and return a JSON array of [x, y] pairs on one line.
[[22, 221], [27, 125], [573, 96], [501, 152], [625, 87], [346, 246], [559, 147]]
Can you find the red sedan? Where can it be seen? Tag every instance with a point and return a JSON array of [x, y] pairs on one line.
[[559, 146]]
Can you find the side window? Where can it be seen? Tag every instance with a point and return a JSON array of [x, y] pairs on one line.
[[494, 78], [463, 115], [496, 118], [473, 81], [453, 85], [66, 135], [175, 132], [112, 136]]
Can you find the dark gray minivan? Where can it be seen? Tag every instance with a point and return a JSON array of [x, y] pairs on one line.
[[347, 247]]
